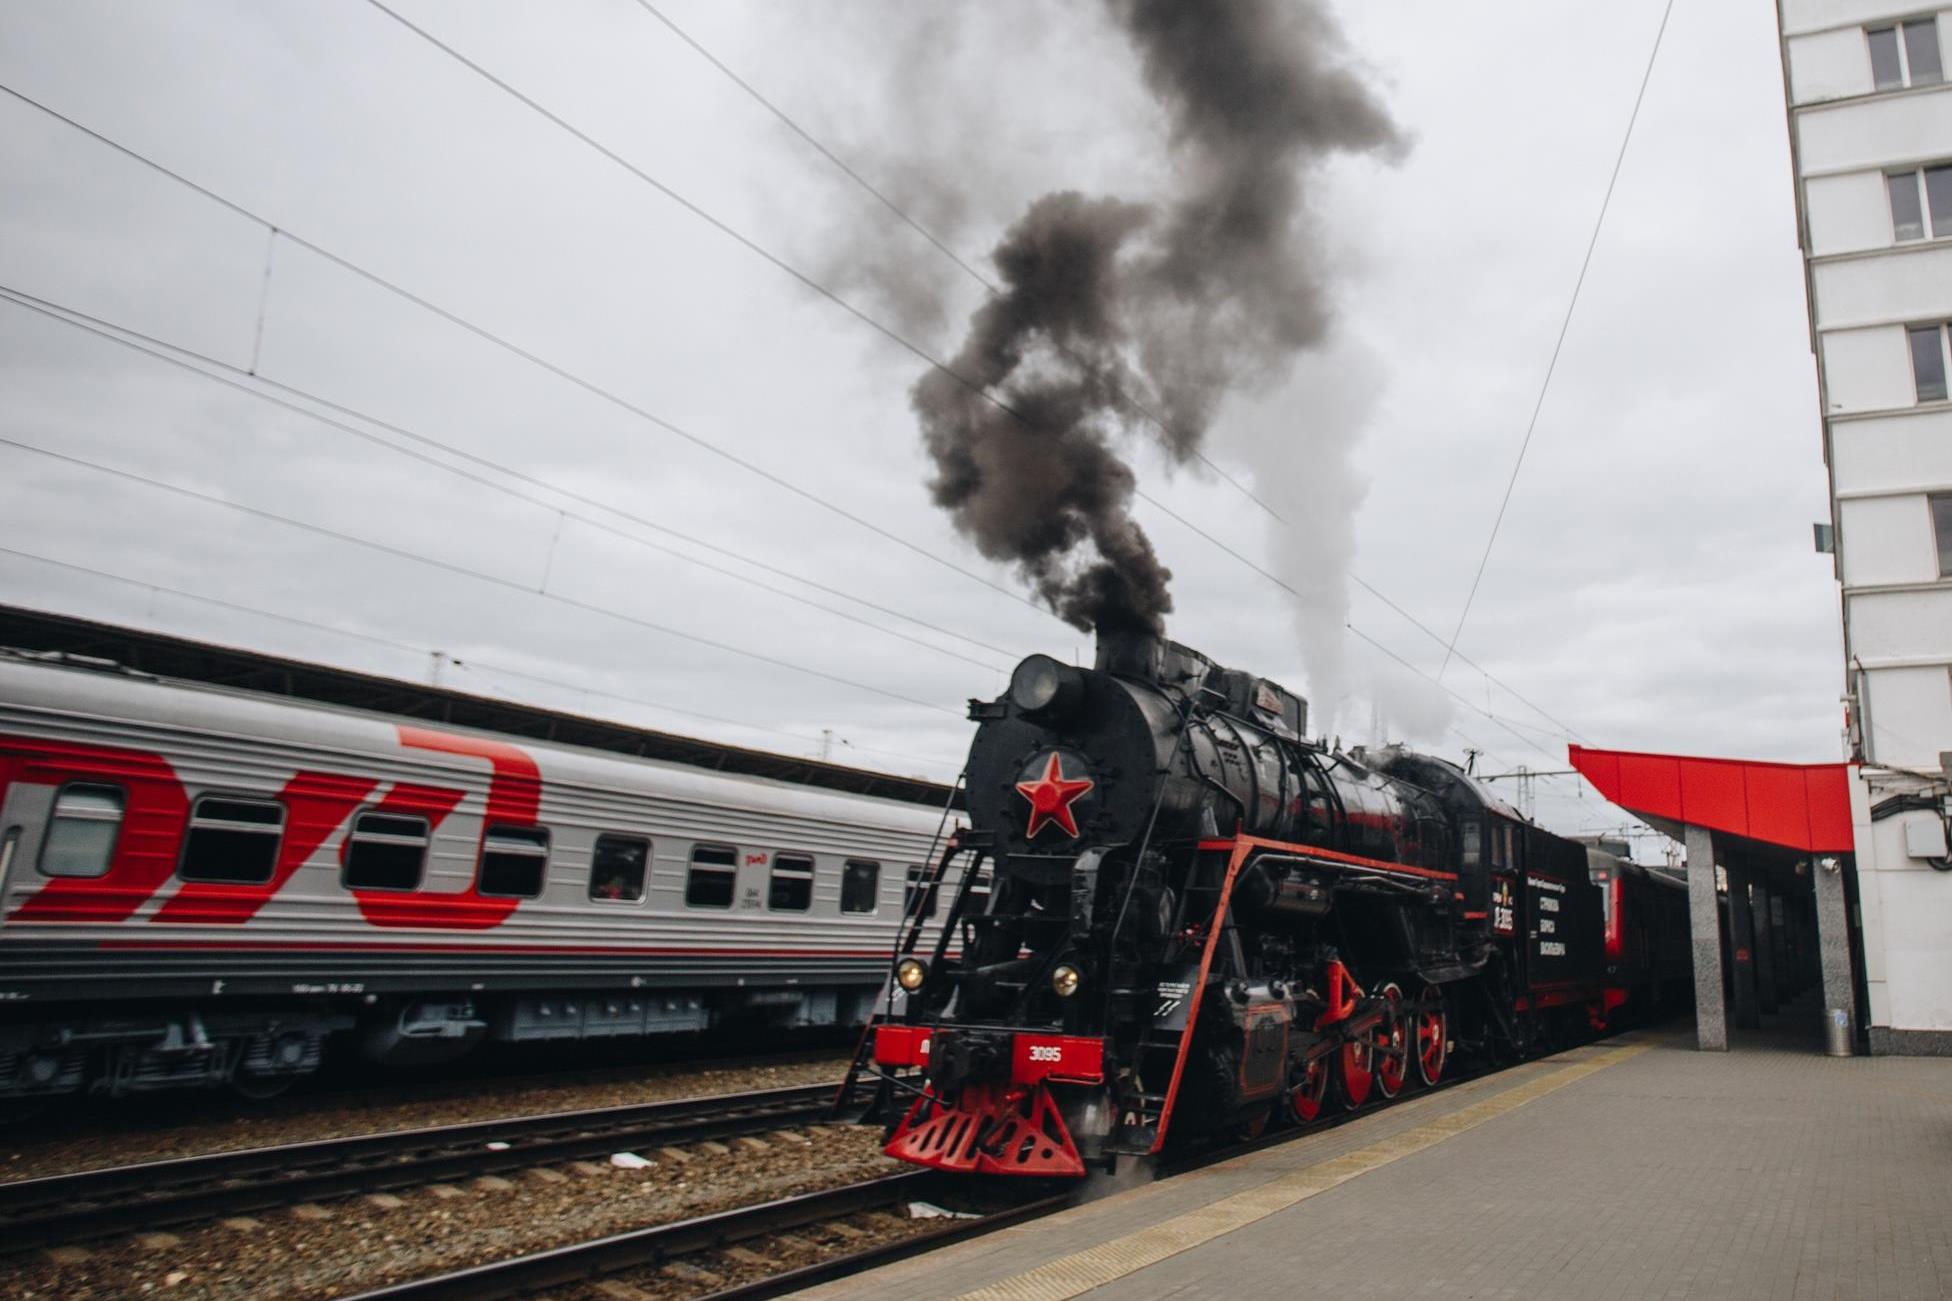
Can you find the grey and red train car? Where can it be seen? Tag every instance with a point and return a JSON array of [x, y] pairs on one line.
[[1202, 922], [204, 886]]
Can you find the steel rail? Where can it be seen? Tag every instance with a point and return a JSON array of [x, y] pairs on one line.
[[659, 1244], [150, 1194]]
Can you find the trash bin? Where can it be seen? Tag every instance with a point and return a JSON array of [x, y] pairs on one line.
[[1836, 1032]]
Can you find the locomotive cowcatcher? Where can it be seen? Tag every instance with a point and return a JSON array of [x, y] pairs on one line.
[[1179, 916]]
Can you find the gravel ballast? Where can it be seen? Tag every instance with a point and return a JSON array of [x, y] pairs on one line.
[[353, 1245], [32, 1151]]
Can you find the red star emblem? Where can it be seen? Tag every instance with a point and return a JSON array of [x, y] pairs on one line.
[[1051, 797]]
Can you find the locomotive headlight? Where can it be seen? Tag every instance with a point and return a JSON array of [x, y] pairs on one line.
[[1040, 685], [910, 973], [1065, 980]]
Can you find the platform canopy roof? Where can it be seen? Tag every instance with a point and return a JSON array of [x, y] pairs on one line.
[[1792, 806]]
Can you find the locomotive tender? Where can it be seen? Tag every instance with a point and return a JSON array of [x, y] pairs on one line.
[[1202, 922], [203, 886]]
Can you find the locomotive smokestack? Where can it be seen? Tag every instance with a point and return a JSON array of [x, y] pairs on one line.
[[1118, 317], [1129, 653]]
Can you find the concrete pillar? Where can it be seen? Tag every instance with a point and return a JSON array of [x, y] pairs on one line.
[[1741, 949], [1705, 930], [1833, 940], [1766, 958]]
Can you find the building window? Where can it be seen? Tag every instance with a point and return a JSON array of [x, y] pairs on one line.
[[232, 841], [1942, 530], [860, 886], [81, 831], [386, 851], [1914, 195], [919, 898], [791, 887], [713, 877], [617, 867], [1928, 361], [512, 861], [1905, 55]]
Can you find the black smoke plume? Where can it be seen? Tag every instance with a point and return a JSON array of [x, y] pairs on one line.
[[1117, 316]]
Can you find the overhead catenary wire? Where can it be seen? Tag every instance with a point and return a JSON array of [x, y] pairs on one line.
[[1151, 416], [471, 662], [466, 572], [234, 378], [1558, 344], [499, 341], [481, 332]]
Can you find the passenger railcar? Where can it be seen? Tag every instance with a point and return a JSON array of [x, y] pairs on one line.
[[1203, 923], [202, 886]]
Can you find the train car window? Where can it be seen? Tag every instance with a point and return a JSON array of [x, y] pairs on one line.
[[713, 878], [385, 851], [917, 897], [860, 886], [791, 888], [1471, 832], [512, 861], [617, 868], [81, 832], [233, 841]]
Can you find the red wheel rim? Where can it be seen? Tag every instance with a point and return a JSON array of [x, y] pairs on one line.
[[1305, 1098], [1392, 1054], [1433, 1038], [1357, 1063]]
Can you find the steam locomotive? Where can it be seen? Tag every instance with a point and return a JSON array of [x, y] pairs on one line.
[[1202, 922]]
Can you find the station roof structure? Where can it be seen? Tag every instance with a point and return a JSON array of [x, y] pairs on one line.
[[228, 666], [1799, 807]]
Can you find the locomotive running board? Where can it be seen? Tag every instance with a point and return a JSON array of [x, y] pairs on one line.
[[1239, 849]]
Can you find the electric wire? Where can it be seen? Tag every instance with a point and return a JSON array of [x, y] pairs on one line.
[[113, 332], [469, 664], [464, 571], [481, 332], [873, 322], [561, 372], [624, 404], [996, 291], [1531, 426]]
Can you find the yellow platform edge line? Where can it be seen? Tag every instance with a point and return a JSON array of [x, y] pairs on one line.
[[1076, 1274]]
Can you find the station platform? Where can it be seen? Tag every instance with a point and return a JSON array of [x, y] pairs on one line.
[[1634, 1167]]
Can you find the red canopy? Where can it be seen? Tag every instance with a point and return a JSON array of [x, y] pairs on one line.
[[1803, 806]]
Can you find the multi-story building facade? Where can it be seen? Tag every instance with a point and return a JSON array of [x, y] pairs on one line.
[[1870, 124]]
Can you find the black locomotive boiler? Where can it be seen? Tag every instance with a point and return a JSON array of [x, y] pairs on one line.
[[1177, 915]]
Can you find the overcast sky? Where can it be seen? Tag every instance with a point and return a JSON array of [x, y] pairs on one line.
[[1653, 587]]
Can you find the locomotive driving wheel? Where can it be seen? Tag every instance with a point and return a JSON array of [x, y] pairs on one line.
[[1391, 1052], [1432, 1035], [1306, 1094]]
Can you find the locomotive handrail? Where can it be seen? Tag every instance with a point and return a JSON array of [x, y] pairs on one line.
[[1145, 841]]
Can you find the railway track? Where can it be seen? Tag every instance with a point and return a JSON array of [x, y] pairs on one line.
[[155, 1194], [748, 1229]]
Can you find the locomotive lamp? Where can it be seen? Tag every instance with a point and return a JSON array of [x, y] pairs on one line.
[[1065, 980], [910, 973], [1040, 685]]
